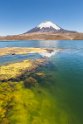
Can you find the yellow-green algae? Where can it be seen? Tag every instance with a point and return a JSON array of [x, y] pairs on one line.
[[27, 101]]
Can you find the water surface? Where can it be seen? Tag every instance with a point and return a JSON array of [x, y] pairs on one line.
[[67, 44], [63, 86]]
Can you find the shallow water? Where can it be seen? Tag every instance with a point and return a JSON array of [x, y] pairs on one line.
[[18, 58], [63, 86]]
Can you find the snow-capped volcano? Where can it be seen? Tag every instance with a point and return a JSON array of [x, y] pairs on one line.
[[45, 27], [48, 24]]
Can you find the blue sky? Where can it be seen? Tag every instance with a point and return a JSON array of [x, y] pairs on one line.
[[18, 16]]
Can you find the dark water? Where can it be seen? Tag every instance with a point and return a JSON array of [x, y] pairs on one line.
[[63, 86]]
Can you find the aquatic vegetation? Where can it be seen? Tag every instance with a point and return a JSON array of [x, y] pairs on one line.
[[25, 101], [6, 97], [21, 50], [30, 94], [13, 70], [29, 82], [21, 105], [19, 69]]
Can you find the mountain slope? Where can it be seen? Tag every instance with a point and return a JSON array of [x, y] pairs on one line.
[[46, 26]]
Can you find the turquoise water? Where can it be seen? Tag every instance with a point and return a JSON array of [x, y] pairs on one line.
[[66, 86], [64, 82], [63, 85], [68, 44]]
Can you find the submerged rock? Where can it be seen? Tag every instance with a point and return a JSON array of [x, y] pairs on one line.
[[41, 74], [29, 82], [13, 54]]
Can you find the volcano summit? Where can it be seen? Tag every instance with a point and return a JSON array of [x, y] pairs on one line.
[[46, 26]]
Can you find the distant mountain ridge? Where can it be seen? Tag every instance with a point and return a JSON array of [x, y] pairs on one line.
[[47, 26]]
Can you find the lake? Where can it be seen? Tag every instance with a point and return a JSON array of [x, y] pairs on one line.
[[64, 85], [62, 44]]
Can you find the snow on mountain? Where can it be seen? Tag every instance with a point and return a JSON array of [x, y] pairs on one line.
[[48, 24]]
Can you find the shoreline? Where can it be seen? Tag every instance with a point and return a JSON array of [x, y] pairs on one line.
[[44, 36], [23, 50], [15, 71]]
